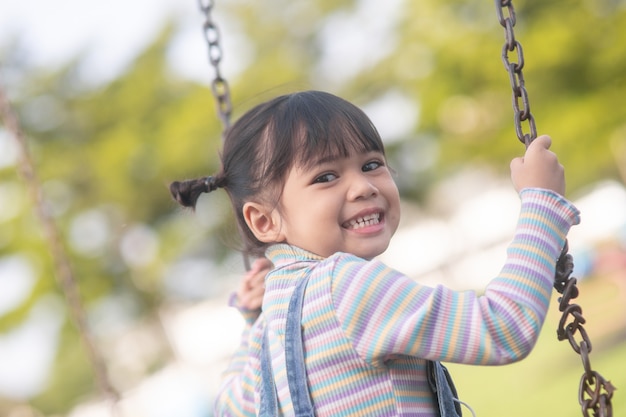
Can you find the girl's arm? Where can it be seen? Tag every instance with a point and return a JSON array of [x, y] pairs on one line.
[[234, 399], [236, 394], [385, 313]]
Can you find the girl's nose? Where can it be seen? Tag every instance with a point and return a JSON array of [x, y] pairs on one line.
[[361, 187]]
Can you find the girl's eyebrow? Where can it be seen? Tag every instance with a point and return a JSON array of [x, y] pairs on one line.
[[332, 158], [319, 159], [325, 159]]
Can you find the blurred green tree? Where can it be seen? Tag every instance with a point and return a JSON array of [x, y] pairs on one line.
[[105, 154]]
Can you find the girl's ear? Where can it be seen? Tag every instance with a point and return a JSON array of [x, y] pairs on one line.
[[265, 223]]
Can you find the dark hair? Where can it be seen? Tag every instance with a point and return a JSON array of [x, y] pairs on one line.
[[262, 146]]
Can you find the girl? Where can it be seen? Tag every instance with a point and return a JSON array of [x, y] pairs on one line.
[[340, 333]]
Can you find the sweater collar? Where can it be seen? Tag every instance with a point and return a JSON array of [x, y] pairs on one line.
[[282, 254]]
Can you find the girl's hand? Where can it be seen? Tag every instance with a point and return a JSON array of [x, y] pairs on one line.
[[539, 168], [252, 286]]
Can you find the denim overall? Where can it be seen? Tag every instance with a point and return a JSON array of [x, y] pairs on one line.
[[438, 377]]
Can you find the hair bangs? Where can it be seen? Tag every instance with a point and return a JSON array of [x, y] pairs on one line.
[[308, 127], [332, 128]]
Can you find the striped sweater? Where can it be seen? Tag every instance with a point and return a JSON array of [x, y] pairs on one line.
[[368, 329]]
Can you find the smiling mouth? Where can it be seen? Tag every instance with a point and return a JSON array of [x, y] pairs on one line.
[[361, 222]]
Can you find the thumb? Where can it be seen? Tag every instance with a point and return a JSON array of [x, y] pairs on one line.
[[543, 141], [517, 163]]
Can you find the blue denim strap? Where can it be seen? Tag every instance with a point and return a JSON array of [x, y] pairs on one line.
[[439, 378], [294, 353], [443, 387], [294, 361], [269, 400]]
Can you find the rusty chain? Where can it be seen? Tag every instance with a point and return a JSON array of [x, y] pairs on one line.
[[64, 273], [516, 75], [595, 392], [219, 85]]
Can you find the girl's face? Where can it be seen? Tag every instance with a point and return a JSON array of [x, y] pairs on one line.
[[348, 205]]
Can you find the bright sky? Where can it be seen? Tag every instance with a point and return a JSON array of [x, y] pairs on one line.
[[112, 32], [109, 32]]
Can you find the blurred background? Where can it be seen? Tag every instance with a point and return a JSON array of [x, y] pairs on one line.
[[115, 101]]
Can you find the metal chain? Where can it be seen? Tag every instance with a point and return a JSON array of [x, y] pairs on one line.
[[521, 114], [219, 86], [64, 272], [595, 392]]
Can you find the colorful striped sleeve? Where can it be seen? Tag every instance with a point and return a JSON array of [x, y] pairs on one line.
[[385, 313], [236, 397]]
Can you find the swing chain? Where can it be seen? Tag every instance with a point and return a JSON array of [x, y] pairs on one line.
[[521, 113], [595, 392], [219, 85], [64, 272]]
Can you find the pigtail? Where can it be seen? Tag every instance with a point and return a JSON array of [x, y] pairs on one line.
[[187, 192]]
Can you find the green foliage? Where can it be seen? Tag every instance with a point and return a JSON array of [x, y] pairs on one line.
[[448, 60], [109, 152], [71, 377]]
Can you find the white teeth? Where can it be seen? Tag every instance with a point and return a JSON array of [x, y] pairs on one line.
[[365, 221]]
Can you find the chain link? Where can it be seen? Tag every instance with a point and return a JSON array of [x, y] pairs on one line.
[[595, 392], [64, 272], [521, 110], [219, 85]]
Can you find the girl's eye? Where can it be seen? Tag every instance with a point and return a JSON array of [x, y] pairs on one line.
[[324, 178], [372, 165]]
